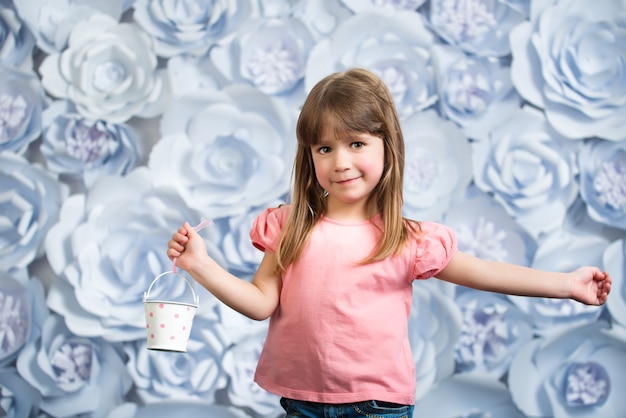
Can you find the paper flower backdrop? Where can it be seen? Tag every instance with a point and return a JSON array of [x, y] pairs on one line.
[[120, 120]]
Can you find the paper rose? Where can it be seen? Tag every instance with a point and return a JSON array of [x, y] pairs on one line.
[[437, 165], [576, 373], [603, 181], [485, 230], [194, 375], [476, 93], [434, 328], [394, 45], [569, 60], [16, 41], [74, 375], [529, 169], [52, 22], [86, 149], [21, 104], [359, 6], [468, 396], [30, 201], [225, 151], [106, 249], [614, 261], [190, 27], [562, 251], [109, 70], [478, 27], [17, 397]]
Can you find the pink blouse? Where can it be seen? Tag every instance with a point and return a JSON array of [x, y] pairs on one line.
[[340, 332]]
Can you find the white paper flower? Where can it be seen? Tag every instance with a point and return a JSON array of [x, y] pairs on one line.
[[614, 261], [437, 165], [603, 181], [16, 41], [394, 45], [52, 21], [476, 26], [30, 201], [84, 148], [17, 397], [434, 329], [107, 248], [191, 26], [569, 60], [476, 93], [109, 70], [577, 373], [21, 104], [562, 251], [529, 169], [225, 151], [74, 375]]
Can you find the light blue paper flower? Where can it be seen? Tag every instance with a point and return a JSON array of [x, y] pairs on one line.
[[225, 151], [360, 6], [468, 396], [30, 201], [394, 45], [569, 60], [17, 397], [86, 149], [576, 373], [192, 376], [529, 169], [190, 27], [21, 104], [434, 329], [603, 181], [52, 22], [614, 261], [109, 70], [562, 251], [478, 27], [437, 165], [476, 93], [74, 375], [107, 248], [16, 40]]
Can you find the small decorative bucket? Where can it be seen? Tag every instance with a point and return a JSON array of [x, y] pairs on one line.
[[168, 323]]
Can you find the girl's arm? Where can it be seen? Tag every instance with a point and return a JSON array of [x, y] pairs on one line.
[[257, 299], [588, 285]]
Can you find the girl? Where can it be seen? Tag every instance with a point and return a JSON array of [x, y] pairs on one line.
[[340, 260]]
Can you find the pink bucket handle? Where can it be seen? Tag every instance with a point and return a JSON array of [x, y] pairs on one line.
[[146, 294]]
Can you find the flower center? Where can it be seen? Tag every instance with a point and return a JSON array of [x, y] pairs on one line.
[[71, 362], [610, 183], [468, 90], [12, 114], [85, 141], [485, 336], [463, 19], [484, 241], [420, 174], [107, 76], [14, 323], [398, 4], [395, 80], [274, 67], [586, 384]]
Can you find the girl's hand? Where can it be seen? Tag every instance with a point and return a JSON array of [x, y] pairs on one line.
[[186, 247], [590, 286]]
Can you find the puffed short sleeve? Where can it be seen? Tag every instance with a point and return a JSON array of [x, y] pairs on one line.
[[434, 249], [267, 226]]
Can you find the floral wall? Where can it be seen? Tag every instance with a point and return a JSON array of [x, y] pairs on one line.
[[121, 119]]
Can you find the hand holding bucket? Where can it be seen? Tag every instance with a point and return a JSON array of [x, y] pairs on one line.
[[168, 323]]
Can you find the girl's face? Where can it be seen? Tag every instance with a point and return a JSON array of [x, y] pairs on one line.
[[348, 168]]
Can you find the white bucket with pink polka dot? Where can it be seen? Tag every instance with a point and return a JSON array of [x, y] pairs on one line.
[[168, 323]]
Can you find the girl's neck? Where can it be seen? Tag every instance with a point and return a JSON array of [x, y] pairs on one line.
[[342, 212]]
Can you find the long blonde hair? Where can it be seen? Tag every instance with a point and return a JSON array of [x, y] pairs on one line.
[[352, 101]]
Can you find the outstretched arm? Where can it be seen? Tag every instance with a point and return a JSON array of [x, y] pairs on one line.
[[257, 299], [588, 285]]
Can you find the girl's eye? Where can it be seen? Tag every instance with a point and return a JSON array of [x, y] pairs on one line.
[[357, 144], [324, 150]]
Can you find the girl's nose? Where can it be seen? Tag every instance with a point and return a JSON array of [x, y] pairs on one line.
[[342, 160]]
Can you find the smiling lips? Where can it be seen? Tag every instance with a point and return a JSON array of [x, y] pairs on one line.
[[347, 181]]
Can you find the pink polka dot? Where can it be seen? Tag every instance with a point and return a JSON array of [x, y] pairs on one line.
[[162, 325], [188, 308], [147, 325], [151, 314], [176, 316], [161, 305], [152, 336], [184, 328], [172, 338]]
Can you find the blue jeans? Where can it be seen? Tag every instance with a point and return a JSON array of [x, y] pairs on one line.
[[369, 409]]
